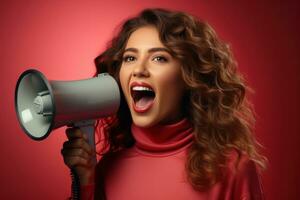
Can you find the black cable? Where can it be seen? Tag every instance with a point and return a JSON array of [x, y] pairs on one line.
[[75, 188]]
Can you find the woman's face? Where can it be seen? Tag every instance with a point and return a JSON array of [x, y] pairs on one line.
[[151, 80]]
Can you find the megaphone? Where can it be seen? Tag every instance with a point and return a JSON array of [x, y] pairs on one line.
[[42, 105]]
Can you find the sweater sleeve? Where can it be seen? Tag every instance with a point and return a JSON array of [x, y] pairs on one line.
[[247, 181], [87, 192]]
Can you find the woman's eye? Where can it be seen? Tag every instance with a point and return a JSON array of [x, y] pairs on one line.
[[128, 58], [160, 59]]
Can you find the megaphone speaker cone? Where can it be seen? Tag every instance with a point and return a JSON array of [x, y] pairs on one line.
[[30, 84]]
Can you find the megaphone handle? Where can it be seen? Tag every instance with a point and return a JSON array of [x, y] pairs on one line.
[[87, 127]]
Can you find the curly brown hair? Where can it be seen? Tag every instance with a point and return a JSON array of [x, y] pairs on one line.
[[215, 101]]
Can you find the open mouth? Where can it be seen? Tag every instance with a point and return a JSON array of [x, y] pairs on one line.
[[143, 97]]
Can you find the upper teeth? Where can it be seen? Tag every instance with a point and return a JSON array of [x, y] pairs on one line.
[[141, 88]]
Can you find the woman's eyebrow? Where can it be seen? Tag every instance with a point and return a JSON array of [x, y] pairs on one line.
[[151, 50]]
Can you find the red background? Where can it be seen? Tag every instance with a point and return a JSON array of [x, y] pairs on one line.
[[61, 39]]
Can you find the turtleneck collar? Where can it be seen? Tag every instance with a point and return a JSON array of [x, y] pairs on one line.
[[163, 140]]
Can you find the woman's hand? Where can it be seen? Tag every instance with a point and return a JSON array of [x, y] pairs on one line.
[[78, 154]]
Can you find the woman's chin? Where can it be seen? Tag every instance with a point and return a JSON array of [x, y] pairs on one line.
[[143, 121]]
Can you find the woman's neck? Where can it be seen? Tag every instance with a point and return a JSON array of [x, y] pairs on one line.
[[163, 139]]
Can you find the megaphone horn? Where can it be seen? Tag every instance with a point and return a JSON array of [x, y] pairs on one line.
[[43, 105]]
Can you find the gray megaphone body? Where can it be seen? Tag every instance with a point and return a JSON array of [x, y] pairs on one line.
[[43, 105]]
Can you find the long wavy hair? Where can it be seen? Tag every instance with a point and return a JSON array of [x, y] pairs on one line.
[[215, 102]]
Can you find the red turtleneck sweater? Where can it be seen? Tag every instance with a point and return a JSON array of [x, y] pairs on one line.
[[154, 168]]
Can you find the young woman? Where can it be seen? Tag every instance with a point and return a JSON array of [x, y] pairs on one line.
[[184, 127]]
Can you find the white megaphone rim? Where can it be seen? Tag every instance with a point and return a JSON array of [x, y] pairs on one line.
[[38, 73]]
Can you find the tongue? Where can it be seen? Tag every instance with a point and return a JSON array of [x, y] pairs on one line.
[[144, 102]]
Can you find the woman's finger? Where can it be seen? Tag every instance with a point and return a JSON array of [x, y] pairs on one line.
[[75, 133], [74, 161], [78, 143], [75, 152]]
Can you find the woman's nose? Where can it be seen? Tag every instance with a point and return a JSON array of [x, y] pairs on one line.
[[140, 70]]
